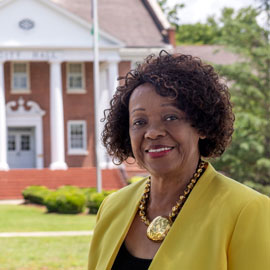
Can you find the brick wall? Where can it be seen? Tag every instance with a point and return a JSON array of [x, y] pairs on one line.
[[80, 107], [13, 182]]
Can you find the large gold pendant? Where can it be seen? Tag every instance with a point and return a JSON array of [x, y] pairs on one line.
[[158, 229]]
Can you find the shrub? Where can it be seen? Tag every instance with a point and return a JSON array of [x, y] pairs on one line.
[[36, 194], [66, 200], [68, 188], [95, 200], [88, 192]]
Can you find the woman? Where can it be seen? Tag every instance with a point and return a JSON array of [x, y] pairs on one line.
[[171, 112]]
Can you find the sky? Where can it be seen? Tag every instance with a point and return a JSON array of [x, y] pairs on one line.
[[198, 10]]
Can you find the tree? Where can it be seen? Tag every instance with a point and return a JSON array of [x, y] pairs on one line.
[[195, 34], [199, 33], [171, 13], [248, 158]]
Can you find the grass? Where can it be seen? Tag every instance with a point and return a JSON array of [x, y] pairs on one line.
[[44, 253], [25, 218]]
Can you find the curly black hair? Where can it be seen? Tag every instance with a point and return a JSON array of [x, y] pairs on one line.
[[195, 86]]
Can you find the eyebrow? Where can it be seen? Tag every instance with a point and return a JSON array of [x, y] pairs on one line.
[[137, 109], [162, 105]]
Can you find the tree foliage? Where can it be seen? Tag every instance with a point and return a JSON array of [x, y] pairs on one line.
[[248, 158], [199, 33], [171, 12], [214, 30]]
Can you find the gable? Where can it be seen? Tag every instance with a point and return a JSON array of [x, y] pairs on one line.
[[40, 23]]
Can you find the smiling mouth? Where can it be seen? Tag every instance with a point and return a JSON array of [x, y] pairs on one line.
[[158, 150]]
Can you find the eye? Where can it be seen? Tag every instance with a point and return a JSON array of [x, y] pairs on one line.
[[171, 117], [137, 123]]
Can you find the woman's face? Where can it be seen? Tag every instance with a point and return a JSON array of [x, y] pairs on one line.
[[162, 140]]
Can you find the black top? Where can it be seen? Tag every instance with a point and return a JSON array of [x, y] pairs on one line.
[[126, 261]]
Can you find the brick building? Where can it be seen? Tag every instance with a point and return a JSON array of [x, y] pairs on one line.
[[46, 74]]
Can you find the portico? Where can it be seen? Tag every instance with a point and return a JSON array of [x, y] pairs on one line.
[[40, 125], [15, 113]]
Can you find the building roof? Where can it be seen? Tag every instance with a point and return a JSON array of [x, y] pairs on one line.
[[214, 54], [129, 21]]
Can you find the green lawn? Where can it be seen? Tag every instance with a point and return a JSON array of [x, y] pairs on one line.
[[44, 253], [23, 218]]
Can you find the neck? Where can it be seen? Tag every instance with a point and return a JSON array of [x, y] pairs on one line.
[[165, 190]]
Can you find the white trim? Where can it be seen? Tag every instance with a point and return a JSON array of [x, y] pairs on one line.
[[54, 54], [139, 54], [75, 90], [78, 151], [159, 13], [20, 90], [28, 118]]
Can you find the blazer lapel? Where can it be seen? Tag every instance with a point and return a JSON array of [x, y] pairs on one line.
[[169, 249], [122, 221]]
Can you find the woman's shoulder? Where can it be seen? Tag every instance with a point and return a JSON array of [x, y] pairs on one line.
[[129, 194], [237, 192], [231, 198], [129, 189]]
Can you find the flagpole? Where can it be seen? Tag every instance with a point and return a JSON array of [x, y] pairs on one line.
[[96, 93]]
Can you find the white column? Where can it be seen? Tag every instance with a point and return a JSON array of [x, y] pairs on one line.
[[113, 75], [103, 104], [57, 118], [3, 125], [112, 85]]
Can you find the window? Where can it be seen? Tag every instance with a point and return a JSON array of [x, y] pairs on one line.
[[11, 143], [77, 138], [75, 78], [25, 142], [20, 78]]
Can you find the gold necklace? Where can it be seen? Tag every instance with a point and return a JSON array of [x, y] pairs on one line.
[[160, 226]]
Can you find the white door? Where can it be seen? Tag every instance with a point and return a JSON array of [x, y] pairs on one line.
[[21, 147]]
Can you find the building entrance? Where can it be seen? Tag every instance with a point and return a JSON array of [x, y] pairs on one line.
[[21, 147]]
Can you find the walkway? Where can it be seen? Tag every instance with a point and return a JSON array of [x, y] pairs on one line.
[[45, 234], [12, 202]]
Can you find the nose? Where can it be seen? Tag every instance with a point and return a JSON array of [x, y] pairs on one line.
[[154, 132]]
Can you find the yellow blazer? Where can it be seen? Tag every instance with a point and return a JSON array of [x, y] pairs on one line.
[[223, 225]]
